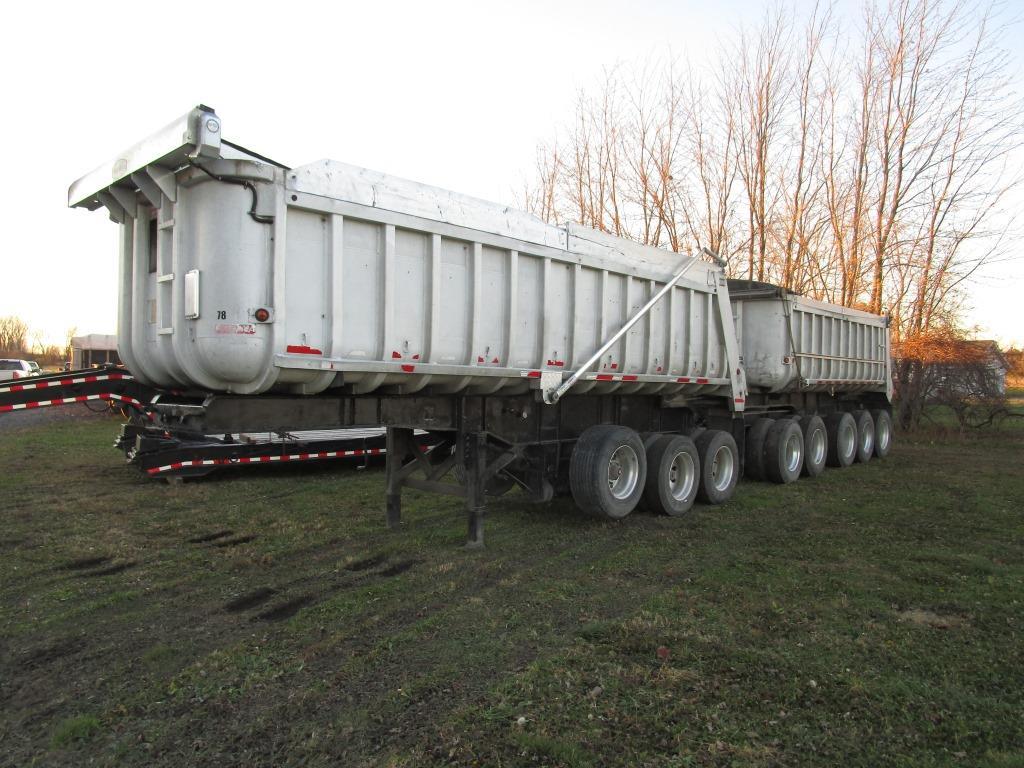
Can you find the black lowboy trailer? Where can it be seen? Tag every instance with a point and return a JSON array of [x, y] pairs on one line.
[[89, 385], [167, 450]]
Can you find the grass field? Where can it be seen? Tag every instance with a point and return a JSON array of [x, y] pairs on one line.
[[873, 616]]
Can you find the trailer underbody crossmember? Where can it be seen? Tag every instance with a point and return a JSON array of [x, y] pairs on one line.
[[481, 464]]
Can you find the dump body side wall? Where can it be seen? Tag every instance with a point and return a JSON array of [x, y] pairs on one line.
[[793, 343], [373, 299]]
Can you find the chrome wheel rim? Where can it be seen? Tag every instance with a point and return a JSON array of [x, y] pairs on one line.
[[818, 446], [722, 467], [883, 434], [848, 439], [867, 441], [623, 472], [794, 452], [682, 476]]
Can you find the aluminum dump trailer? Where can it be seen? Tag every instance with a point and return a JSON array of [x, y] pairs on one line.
[[240, 275], [792, 343], [556, 359]]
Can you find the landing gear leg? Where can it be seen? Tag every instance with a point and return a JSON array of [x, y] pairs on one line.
[[396, 469], [473, 450]]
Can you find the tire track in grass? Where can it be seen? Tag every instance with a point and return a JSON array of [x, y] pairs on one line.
[[250, 600], [108, 571], [83, 563], [367, 680], [292, 606], [286, 609], [234, 542], [207, 635], [402, 615], [207, 537]]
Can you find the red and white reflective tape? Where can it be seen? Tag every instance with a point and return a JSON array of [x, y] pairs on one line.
[[65, 382], [615, 377], [69, 400], [266, 459]]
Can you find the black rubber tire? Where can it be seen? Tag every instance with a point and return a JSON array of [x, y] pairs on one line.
[[588, 470], [709, 443], [661, 456], [883, 433], [842, 439], [780, 466], [814, 429], [865, 436], [753, 449]]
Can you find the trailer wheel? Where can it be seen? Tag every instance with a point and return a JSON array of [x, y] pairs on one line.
[[607, 471], [883, 433], [815, 445], [784, 451], [753, 449], [719, 466], [673, 474], [842, 439], [865, 436]]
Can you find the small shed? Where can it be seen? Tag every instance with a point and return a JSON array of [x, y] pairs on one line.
[[93, 350], [995, 362]]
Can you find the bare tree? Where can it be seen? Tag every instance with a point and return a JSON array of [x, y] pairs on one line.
[[1015, 362], [37, 346], [863, 165], [802, 182], [13, 335], [708, 168], [763, 83], [69, 337]]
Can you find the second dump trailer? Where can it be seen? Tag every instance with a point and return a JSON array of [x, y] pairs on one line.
[[262, 297]]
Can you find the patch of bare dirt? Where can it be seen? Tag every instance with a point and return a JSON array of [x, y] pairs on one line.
[[922, 618]]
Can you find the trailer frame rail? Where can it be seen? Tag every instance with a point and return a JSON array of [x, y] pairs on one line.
[[114, 385]]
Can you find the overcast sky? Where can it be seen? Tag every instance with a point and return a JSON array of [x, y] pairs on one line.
[[448, 93]]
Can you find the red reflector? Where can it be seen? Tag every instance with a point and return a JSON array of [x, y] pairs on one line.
[[302, 349], [261, 315]]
